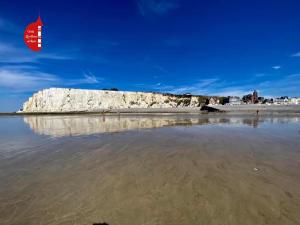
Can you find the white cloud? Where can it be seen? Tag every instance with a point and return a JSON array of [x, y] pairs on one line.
[[276, 67], [19, 67], [296, 54], [12, 54], [232, 92], [287, 85], [88, 78], [22, 81], [18, 79], [206, 82], [21, 70], [200, 86], [157, 87]]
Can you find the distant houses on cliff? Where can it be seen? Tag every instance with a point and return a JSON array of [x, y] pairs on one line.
[[253, 98]]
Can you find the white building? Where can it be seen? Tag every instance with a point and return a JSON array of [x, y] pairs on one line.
[[234, 100], [287, 101], [281, 101], [295, 101], [214, 101]]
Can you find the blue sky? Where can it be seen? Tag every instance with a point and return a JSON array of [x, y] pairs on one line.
[[216, 47]]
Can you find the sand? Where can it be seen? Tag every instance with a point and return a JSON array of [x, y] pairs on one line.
[[227, 170]]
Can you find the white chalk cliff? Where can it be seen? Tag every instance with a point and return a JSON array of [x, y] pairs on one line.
[[79, 100]]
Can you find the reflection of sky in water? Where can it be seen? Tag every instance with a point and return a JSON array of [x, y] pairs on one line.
[[17, 133]]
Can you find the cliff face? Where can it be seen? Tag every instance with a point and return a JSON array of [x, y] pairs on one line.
[[78, 100]]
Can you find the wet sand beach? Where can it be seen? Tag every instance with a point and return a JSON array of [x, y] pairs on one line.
[[150, 169]]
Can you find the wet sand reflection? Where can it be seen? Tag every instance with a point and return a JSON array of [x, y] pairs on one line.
[[224, 172], [58, 126]]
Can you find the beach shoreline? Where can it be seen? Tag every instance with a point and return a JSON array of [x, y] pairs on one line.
[[91, 167], [228, 109]]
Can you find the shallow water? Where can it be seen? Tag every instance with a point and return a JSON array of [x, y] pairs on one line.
[[150, 169]]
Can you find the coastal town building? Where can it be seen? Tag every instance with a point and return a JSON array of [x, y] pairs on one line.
[[254, 97], [281, 101], [295, 101], [213, 101], [234, 100], [285, 100], [247, 99]]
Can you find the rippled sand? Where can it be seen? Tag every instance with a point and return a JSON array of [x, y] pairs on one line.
[[149, 170]]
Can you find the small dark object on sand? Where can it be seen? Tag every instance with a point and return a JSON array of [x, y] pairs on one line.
[[257, 112], [100, 223], [209, 109]]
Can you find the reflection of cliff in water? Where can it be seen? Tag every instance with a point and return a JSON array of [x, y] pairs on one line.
[[58, 126]]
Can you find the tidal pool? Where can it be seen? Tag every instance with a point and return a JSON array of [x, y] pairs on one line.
[[150, 170]]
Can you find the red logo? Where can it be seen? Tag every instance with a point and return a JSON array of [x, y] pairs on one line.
[[33, 35]]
